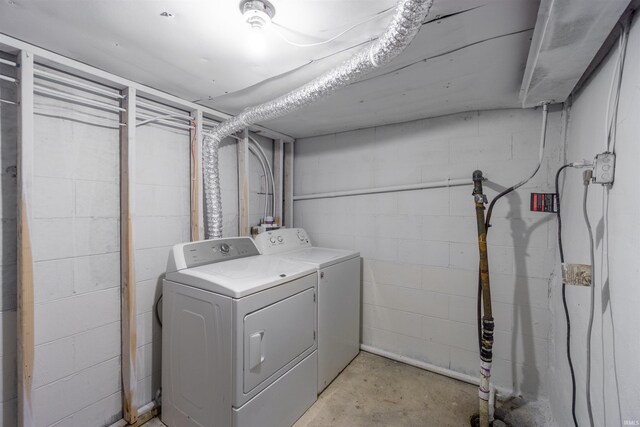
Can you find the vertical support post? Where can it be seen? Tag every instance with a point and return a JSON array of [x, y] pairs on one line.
[[197, 213], [288, 184], [243, 184], [127, 254], [25, 331], [278, 176]]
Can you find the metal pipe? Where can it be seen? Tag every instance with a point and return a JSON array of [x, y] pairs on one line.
[[71, 82], [486, 351], [392, 189], [160, 118], [79, 99], [407, 20], [8, 79], [4, 61], [149, 119], [6, 101], [158, 109]]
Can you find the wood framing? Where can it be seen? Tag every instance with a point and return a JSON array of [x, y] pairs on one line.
[[80, 69], [127, 255], [278, 177], [288, 185], [25, 322], [197, 213], [243, 185]]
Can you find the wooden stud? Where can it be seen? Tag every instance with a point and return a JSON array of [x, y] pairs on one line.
[[278, 175], [25, 331], [288, 185], [197, 212], [243, 185], [127, 255]]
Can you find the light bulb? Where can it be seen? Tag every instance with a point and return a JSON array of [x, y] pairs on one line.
[[256, 44]]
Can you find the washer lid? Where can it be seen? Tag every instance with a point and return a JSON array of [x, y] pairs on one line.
[[321, 257], [241, 277]]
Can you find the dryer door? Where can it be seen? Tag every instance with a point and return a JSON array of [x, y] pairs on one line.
[[276, 335]]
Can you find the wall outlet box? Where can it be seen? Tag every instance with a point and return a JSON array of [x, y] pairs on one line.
[[577, 274], [604, 168]]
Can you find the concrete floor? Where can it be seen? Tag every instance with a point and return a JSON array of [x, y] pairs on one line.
[[375, 391]]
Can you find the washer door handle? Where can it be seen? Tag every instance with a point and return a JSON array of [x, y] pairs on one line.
[[256, 350]]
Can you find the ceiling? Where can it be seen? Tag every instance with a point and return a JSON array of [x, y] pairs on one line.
[[469, 54]]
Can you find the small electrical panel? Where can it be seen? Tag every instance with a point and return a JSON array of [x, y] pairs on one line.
[[604, 168], [577, 274], [544, 202]]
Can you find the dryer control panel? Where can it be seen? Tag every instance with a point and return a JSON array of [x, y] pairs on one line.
[[194, 254], [282, 240]]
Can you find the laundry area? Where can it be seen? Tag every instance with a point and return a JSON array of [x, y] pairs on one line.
[[276, 213]]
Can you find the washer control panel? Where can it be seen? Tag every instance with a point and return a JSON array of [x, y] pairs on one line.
[[282, 240], [203, 252]]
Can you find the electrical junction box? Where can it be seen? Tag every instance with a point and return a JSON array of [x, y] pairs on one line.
[[544, 202], [604, 168]]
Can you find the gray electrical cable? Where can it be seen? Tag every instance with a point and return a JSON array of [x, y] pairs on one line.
[[266, 184], [587, 179], [273, 182]]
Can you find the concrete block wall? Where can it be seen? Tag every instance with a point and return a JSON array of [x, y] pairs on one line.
[[614, 214], [76, 250], [419, 247], [162, 219], [8, 186]]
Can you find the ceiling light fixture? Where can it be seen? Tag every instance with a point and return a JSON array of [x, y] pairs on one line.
[[257, 13]]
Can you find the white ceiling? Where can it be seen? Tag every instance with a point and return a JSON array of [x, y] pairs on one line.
[[472, 57]]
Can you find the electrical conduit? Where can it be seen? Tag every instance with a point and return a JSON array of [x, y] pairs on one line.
[[405, 24]]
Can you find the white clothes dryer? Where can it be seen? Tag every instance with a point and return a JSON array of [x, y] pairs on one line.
[[339, 284], [238, 338]]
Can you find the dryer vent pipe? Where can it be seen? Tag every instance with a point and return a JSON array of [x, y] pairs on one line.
[[405, 24]]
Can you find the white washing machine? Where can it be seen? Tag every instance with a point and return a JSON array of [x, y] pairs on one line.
[[339, 278], [238, 338]]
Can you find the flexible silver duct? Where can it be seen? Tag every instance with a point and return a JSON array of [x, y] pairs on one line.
[[404, 26]]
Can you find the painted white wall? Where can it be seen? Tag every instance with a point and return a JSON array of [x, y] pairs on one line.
[[162, 219], [419, 247], [8, 186], [76, 244], [615, 216]]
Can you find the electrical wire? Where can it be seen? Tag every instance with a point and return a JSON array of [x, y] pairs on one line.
[[543, 139], [376, 16], [266, 182], [564, 296], [587, 179], [270, 170], [611, 124]]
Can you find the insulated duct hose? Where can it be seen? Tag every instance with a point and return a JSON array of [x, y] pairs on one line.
[[405, 24]]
